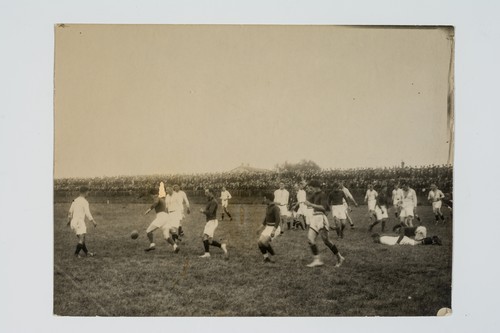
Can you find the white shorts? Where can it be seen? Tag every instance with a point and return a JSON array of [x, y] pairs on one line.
[[339, 211], [210, 228], [78, 226], [174, 218], [159, 222], [406, 211], [420, 233], [284, 211], [224, 203], [371, 204], [381, 212], [437, 204], [265, 236], [318, 222]]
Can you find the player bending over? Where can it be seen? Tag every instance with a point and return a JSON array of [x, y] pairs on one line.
[[320, 225], [270, 227], [162, 221], [210, 212], [78, 211]]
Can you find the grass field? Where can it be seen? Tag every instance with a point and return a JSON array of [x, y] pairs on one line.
[[123, 280]]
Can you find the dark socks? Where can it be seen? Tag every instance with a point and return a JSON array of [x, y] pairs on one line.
[[84, 248], [206, 245], [270, 249], [314, 249], [78, 248], [215, 243], [262, 248]]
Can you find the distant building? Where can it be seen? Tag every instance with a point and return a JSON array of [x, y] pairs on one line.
[[247, 168]]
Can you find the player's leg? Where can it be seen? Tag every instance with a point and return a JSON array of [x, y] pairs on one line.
[[78, 245], [149, 234], [311, 238], [264, 244], [342, 227], [228, 214], [171, 236], [326, 239], [84, 247]]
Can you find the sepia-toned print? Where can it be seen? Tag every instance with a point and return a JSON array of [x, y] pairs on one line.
[[253, 170]]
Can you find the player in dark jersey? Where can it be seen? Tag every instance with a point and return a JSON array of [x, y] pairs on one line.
[[319, 224], [161, 222], [210, 213], [270, 227], [336, 200]]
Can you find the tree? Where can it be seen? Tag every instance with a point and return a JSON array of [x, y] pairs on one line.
[[302, 166]]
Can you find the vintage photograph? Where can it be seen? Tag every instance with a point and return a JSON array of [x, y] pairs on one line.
[[253, 170]]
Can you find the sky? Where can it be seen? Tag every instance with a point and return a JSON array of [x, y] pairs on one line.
[[161, 99]]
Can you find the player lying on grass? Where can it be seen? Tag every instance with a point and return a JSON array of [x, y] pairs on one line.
[[270, 227], [162, 221], [320, 225], [78, 211], [418, 233], [395, 240], [210, 212]]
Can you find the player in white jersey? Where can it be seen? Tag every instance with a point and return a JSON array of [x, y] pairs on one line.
[[181, 200], [78, 211], [435, 197], [371, 200], [300, 208], [281, 198], [397, 199], [224, 197], [346, 204], [408, 206]]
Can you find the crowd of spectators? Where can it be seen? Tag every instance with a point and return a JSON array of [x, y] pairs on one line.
[[418, 178]]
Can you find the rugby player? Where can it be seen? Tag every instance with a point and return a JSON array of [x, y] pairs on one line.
[[281, 197], [181, 200], [336, 200], [435, 197], [161, 221], [346, 204], [270, 227], [320, 225], [408, 206], [394, 240], [397, 199], [224, 197], [78, 211], [381, 213], [210, 213], [371, 200]]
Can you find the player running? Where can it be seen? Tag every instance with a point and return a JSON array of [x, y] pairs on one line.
[[320, 225], [210, 213], [162, 221], [224, 197], [346, 204], [381, 213], [270, 227], [397, 199], [78, 211], [281, 197], [371, 200], [181, 200], [336, 200], [409, 205], [435, 197]]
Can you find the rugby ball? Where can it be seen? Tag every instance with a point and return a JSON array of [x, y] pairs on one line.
[[134, 234]]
